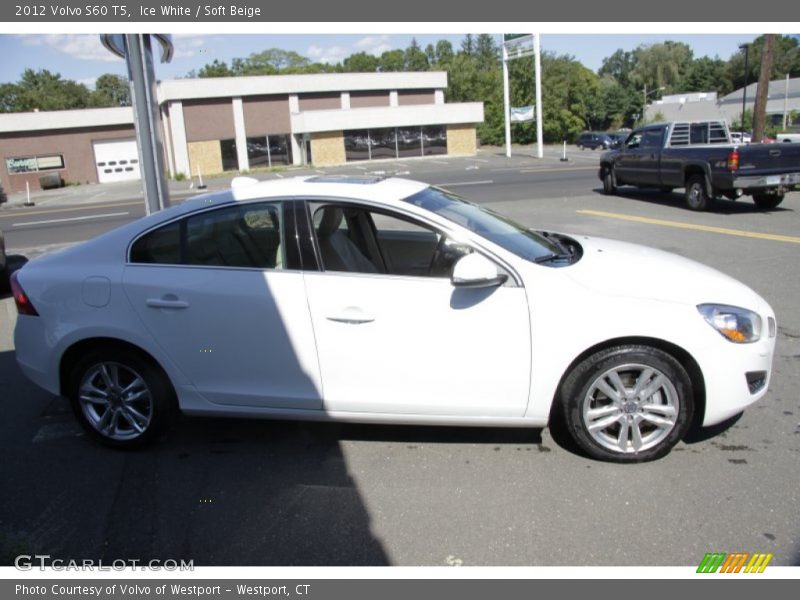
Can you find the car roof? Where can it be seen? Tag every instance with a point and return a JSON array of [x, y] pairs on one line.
[[389, 190]]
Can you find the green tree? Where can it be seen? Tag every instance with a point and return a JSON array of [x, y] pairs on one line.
[[468, 45], [271, 61], [706, 75], [215, 69], [618, 66], [361, 62], [112, 90], [414, 58], [487, 51], [785, 59], [392, 60], [661, 65], [43, 90], [444, 53]]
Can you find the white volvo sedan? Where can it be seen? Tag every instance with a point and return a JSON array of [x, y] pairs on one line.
[[383, 300]]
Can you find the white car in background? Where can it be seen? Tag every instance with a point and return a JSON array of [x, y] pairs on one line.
[[788, 137], [737, 137], [382, 300]]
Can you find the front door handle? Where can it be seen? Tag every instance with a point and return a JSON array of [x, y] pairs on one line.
[[168, 301], [351, 315]]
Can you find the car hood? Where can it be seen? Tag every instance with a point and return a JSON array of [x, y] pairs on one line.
[[623, 269]]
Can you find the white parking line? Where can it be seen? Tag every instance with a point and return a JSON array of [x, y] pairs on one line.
[[458, 183], [86, 218]]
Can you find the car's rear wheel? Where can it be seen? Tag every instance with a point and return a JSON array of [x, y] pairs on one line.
[[609, 185], [627, 404], [120, 398], [697, 197], [767, 201]]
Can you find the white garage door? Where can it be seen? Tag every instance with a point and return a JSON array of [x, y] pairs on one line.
[[117, 160]]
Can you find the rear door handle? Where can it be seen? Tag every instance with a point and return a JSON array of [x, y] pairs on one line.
[[168, 301], [351, 315]]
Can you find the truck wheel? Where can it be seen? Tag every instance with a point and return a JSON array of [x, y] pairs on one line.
[[767, 201], [609, 187], [696, 194]]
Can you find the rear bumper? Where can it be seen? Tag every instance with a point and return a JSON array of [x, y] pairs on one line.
[[766, 181]]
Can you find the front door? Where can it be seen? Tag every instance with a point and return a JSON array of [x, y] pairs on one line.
[[394, 336]]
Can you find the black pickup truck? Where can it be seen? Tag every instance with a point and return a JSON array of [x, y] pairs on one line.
[[701, 158]]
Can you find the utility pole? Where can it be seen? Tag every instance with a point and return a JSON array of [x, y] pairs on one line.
[[746, 48], [137, 51], [762, 94]]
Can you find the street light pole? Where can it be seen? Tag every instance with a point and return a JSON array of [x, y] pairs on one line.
[[645, 94], [746, 48]]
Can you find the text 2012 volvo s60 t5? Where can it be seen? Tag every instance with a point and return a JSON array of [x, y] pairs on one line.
[[385, 300]]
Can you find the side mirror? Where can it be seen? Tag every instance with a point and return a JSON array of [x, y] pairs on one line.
[[476, 271]]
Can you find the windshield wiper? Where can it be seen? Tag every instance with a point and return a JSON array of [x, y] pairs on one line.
[[551, 257]]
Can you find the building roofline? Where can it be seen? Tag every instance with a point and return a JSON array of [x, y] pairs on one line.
[[65, 119], [225, 87]]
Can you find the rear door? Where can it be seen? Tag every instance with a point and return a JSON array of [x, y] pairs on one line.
[[215, 292]]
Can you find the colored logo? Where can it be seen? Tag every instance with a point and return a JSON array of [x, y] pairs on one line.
[[736, 562]]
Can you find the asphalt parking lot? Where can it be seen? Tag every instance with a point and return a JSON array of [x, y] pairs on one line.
[[279, 493]]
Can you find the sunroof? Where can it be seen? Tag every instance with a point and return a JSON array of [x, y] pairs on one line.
[[354, 179]]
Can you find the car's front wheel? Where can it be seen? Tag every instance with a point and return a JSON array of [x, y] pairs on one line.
[[609, 183], [627, 404], [120, 398]]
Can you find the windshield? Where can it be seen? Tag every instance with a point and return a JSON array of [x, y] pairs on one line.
[[501, 230]]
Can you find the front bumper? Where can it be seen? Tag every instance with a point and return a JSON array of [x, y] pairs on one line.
[[740, 377]]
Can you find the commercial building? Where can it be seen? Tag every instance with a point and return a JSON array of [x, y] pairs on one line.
[[783, 97], [215, 125]]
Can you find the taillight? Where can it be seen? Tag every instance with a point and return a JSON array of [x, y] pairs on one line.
[[24, 305], [733, 160]]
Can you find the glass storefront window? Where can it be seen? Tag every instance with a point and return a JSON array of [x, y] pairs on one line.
[[408, 142], [280, 150], [356, 145], [390, 142], [35, 163], [230, 161], [434, 140], [382, 143], [257, 152]]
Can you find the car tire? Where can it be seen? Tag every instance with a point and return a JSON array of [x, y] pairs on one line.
[[121, 398], [697, 197], [627, 404], [609, 185], [767, 201]]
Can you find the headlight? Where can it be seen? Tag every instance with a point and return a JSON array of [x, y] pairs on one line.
[[738, 325]]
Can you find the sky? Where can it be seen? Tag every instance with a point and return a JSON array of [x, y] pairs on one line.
[[81, 57]]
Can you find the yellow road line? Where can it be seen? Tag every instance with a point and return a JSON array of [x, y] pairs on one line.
[[790, 239], [47, 211]]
